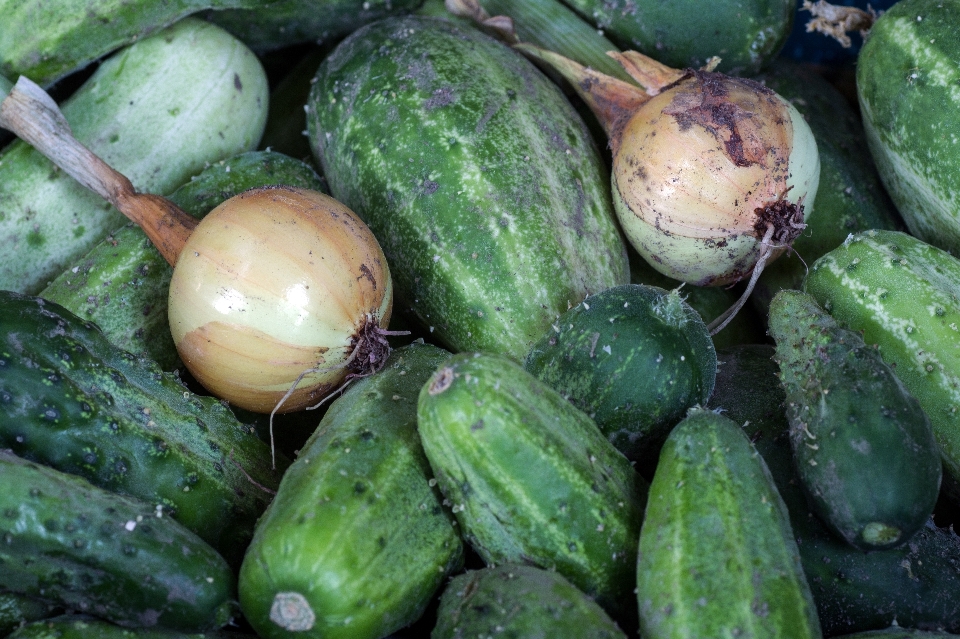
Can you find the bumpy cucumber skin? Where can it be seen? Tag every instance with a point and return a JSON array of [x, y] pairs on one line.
[[864, 448], [356, 541], [717, 557], [634, 358], [916, 585], [531, 478], [158, 112], [904, 296], [17, 610], [478, 178], [78, 626], [73, 401], [907, 79], [123, 284], [515, 600], [88, 549], [746, 35]]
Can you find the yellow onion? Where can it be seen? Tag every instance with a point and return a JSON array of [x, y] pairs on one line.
[[278, 296]]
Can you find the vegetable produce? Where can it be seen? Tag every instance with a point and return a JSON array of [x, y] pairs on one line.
[[865, 452], [717, 557], [17, 609]]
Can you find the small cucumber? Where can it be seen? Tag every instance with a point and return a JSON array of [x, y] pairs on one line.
[[157, 111], [356, 542], [531, 478], [865, 452], [478, 178], [904, 296], [109, 555], [634, 358], [73, 401], [77, 626], [123, 284], [515, 600], [717, 557]]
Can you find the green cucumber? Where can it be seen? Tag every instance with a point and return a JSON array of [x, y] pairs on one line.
[[519, 601], [907, 79], [109, 555], [123, 283], [865, 452], [77, 626], [73, 401], [916, 585], [478, 178], [356, 541], [896, 632], [285, 131], [717, 557], [17, 610], [157, 111], [746, 34], [634, 358], [904, 296], [531, 478]]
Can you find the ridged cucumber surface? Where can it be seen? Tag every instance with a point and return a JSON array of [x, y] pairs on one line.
[[72, 400], [478, 178], [17, 610], [91, 550], [717, 556], [123, 283], [356, 542], [158, 112], [531, 478]]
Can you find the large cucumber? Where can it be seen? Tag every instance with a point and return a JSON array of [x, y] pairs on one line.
[[907, 78], [158, 112], [356, 541], [72, 400], [79, 626], [717, 556], [17, 610], [123, 283], [91, 550], [531, 478], [478, 178], [904, 296]]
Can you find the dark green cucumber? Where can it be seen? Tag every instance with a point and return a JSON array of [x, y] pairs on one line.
[[77, 626], [717, 556], [356, 541], [904, 296], [634, 358], [17, 610], [478, 178], [123, 284], [515, 600], [896, 632], [116, 557], [72, 400], [916, 585], [531, 478], [865, 451], [285, 131], [907, 78]]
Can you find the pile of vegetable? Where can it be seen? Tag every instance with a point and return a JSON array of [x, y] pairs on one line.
[[538, 318]]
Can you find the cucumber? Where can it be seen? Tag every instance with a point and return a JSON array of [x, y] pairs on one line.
[[73, 401], [896, 632], [356, 541], [157, 111], [46, 41], [865, 452], [634, 358], [717, 557], [746, 34], [907, 77], [109, 555], [17, 610], [520, 601], [532, 479], [478, 178], [123, 283], [916, 585], [76, 626], [904, 296]]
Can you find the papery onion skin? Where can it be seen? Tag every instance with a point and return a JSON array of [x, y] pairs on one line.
[[272, 283], [696, 167]]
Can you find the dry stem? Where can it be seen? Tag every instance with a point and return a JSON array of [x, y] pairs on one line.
[[836, 21]]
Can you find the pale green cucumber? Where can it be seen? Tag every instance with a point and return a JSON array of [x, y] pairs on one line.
[[904, 296], [158, 112], [47, 40]]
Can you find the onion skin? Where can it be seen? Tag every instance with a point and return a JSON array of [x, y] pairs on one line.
[[272, 283], [701, 167]]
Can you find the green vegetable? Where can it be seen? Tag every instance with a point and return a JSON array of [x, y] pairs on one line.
[[17, 609], [77, 626]]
